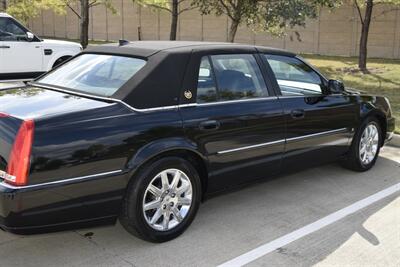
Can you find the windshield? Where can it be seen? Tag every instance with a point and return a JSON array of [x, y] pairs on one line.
[[94, 74]]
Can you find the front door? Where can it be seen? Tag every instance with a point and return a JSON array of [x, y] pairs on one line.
[[319, 124], [18, 54], [236, 121]]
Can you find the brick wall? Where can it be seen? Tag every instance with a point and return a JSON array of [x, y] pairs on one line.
[[333, 33]]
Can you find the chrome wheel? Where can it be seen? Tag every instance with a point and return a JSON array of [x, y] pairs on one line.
[[369, 144], [167, 199]]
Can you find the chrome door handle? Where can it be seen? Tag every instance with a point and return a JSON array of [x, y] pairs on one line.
[[209, 125], [297, 113], [4, 46]]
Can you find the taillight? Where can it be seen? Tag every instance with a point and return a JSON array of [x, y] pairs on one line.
[[19, 160]]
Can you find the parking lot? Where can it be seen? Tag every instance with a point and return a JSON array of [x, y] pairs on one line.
[[254, 219]]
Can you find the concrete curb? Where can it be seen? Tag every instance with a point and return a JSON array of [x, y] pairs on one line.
[[395, 141]]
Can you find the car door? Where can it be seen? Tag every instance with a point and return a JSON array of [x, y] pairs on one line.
[[233, 118], [319, 124], [18, 54]]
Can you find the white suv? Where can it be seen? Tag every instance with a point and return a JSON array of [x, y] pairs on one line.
[[24, 56]]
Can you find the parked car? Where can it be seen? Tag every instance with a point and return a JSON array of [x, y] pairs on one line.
[[145, 131], [24, 56]]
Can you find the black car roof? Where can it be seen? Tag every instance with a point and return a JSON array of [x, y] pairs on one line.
[[148, 48]]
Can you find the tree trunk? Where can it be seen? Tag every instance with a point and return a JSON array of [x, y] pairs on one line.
[[84, 23], [174, 20], [362, 58], [3, 5], [233, 30]]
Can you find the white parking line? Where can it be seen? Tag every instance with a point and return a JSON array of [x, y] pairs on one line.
[[310, 228]]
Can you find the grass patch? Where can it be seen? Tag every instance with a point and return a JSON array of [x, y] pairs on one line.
[[383, 77]]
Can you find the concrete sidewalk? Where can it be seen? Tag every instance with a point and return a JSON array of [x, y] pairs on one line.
[[232, 224]]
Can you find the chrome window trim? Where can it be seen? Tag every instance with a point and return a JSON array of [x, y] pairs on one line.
[[284, 141], [106, 98], [63, 181], [301, 96], [307, 96], [82, 94], [237, 101], [156, 108]]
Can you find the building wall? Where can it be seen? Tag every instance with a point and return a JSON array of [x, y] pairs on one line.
[[333, 33]]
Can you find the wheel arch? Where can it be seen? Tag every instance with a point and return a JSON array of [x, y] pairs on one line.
[[63, 58], [64, 54], [170, 147], [380, 116]]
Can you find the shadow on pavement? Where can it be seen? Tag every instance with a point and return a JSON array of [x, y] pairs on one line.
[[230, 225]]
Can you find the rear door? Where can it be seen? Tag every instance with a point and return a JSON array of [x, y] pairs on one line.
[[319, 124], [233, 117]]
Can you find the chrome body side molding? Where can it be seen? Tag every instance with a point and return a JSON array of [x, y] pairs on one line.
[[283, 141], [63, 181]]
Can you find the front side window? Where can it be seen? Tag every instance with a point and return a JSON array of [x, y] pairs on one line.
[[11, 31], [230, 77], [94, 74], [294, 76]]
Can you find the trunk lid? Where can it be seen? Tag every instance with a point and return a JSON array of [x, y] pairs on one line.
[[35, 102]]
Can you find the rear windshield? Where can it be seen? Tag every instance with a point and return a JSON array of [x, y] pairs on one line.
[[94, 74]]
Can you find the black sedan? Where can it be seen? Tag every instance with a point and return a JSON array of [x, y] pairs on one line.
[[145, 131]]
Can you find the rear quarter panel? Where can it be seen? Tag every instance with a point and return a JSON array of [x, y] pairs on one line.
[[87, 143]]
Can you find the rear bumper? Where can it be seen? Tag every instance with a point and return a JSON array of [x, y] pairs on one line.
[[62, 205]]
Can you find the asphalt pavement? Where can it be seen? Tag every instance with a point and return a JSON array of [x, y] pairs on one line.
[[240, 226]]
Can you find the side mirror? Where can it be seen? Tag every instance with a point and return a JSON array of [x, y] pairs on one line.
[[30, 36], [336, 87]]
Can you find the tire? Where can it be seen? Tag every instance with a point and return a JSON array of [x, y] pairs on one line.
[[354, 161], [138, 222]]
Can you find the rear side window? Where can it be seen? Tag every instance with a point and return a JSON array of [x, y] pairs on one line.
[[94, 74], [206, 87], [229, 77], [294, 76]]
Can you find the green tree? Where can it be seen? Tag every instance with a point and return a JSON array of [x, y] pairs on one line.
[[174, 7], [83, 15], [23, 10], [366, 19], [26, 9], [268, 15]]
